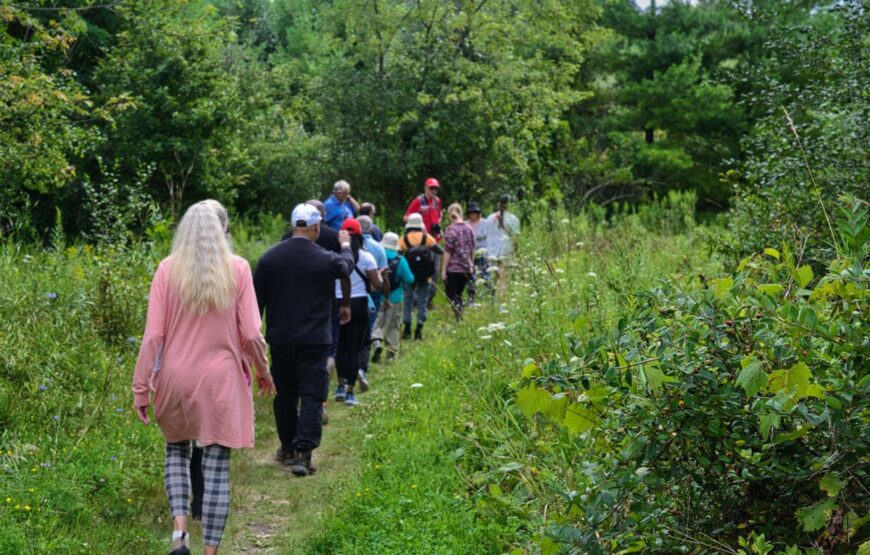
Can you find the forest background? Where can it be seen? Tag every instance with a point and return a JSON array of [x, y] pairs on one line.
[[117, 113]]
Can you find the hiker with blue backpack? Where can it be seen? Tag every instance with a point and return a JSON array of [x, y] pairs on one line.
[[387, 325], [420, 250]]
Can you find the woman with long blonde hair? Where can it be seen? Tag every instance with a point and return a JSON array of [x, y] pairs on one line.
[[201, 337]]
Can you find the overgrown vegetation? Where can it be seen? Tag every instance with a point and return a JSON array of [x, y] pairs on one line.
[[136, 109], [698, 414]]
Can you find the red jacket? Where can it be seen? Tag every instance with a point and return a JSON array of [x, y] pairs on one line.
[[431, 213]]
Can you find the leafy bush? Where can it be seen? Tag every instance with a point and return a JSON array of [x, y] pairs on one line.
[[712, 413]]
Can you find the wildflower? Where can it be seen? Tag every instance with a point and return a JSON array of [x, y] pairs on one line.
[[30, 490], [566, 221], [486, 337], [45, 465], [413, 486], [52, 295], [42, 388], [113, 458], [129, 500], [119, 409], [27, 508], [560, 271], [591, 274], [416, 385], [132, 340], [56, 417], [9, 500]]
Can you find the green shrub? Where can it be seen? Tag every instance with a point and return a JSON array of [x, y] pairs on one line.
[[707, 409]]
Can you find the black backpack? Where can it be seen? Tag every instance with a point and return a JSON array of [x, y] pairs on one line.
[[393, 269], [420, 259]]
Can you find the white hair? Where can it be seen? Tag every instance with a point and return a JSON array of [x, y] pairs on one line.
[[341, 186], [202, 260]]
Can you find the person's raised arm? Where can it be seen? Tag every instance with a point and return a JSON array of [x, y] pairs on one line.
[[354, 204]]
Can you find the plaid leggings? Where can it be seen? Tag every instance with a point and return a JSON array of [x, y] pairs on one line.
[[216, 475]]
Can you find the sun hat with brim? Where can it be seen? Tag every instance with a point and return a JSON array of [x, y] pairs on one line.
[[305, 215], [351, 225], [474, 207], [415, 221], [390, 241]]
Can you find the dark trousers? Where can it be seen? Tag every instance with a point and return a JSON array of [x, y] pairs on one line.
[[350, 340], [300, 383], [454, 287]]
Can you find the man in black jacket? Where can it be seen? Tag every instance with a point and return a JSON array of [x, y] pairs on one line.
[[295, 285]]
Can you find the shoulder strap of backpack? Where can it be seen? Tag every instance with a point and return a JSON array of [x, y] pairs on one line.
[[422, 200], [364, 277]]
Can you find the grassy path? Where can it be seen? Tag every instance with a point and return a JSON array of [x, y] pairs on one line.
[[274, 511]]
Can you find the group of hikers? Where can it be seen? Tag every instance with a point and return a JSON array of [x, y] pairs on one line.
[[337, 293]]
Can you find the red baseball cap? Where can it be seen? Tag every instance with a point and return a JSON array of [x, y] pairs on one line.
[[351, 225], [432, 182]]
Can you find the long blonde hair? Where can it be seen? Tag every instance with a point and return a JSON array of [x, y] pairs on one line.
[[202, 263]]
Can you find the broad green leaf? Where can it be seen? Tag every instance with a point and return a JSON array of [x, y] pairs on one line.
[[773, 253], [654, 376], [768, 421], [792, 435], [864, 548], [532, 400], [530, 370], [722, 286], [795, 380], [831, 484], [771, 289], [803, 276], [621, 360], [578, 418], [752, 377], [550, 547], [815, 516], [556, 408]]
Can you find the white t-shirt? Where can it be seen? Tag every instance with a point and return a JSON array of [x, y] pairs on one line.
[[499, 241], [365, 263]]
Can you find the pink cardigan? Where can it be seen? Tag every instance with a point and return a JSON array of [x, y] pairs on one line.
[[202, 382]]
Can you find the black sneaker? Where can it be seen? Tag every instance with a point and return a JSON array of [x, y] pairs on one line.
[[376, 357], [181, 546], [406, 333], [284, 456], [362, 380], [302, 464]]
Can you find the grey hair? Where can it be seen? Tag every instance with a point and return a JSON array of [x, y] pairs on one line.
[[341, 186]]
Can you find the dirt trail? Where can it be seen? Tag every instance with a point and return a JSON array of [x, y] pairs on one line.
[[274, 511]]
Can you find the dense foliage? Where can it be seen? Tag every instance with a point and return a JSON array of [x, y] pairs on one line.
[[711, 412], [134, 109]]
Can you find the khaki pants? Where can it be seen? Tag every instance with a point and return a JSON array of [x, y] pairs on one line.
[[387, 326]]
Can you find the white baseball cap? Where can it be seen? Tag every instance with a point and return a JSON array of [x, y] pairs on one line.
[[305, 215]]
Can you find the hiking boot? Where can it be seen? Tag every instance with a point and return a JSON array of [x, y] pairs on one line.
[[324, 416], [340, 393], [362, 380], [302, 464], [406, 333], [418, 333], [285, 456], [376, 356], [181, 546], [351, 400]]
